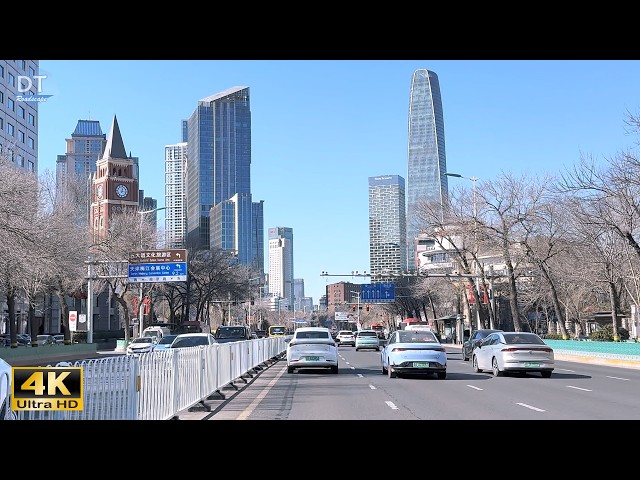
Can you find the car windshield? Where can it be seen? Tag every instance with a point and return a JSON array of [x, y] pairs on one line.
[[517, 338], [189, 342], [415, 336], [143, 340], [167, 339], [230, 332]]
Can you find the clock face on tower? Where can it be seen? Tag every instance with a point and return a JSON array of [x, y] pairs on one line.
[[122, 190], [99, 192]]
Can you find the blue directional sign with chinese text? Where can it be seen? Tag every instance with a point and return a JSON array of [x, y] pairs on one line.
[[151, 266], [377, 293]]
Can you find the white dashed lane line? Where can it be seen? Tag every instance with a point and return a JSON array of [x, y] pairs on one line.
[[530, 407], [391, 405]]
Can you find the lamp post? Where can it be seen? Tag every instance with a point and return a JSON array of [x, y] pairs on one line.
[[140, 299], [475, 241]]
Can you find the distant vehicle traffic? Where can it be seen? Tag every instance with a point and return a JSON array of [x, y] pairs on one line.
[[312, 347], [276, 331], [517, 352], [165, 342], [346, 337], [232, 333], [141, 345], [185, 340], [379, 329], [412, 352]]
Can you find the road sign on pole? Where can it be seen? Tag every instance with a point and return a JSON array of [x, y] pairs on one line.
[[377, 292], [151, 266]]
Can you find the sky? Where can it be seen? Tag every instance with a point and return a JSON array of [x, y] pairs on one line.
[[321, 128]]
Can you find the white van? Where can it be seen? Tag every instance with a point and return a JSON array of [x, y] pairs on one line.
[[156, 331]]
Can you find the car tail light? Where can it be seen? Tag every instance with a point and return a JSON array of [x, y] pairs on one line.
[[407, 349], [536, 349]]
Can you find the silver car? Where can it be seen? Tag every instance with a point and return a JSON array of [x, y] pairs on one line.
[[519, 352], [312, 347], [367, 339]]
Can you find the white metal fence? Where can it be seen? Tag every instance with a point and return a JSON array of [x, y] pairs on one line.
[[158, 385]]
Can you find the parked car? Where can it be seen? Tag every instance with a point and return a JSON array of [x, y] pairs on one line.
[[367, 339], [232, 333], [475, 338], [141, 345], [346, 337], [58, 338], [413, 352], [185, 340], [165, 342], [503, 352], [312, 347], [45, 340]]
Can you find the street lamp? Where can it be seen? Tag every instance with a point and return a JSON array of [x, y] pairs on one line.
[[140, 300], [475, 240]]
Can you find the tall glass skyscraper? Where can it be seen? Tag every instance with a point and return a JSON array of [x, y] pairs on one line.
[[427, 163], [220, 212], [387, 227]]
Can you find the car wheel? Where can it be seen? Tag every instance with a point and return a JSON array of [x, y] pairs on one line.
[[474, 362], [391, 373], [546, 374], [494, 368], [334, 369], [290, 369], [442, 375], [357, 349]]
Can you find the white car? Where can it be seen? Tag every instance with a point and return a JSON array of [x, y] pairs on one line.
[[312, 347], [185, 340], [141, 345], [413, 352], [518, 352], [346, 337], [367, 339]]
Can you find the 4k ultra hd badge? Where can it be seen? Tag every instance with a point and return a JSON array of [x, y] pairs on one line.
[[47, 388]]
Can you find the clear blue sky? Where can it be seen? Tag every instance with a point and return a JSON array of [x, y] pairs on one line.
[[321, 128]]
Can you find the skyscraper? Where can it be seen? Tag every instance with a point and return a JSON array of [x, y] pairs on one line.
[[175, 166], [387, 226], [78, 165], [220, 211], [281, 281], [427, 165], [19, 81]]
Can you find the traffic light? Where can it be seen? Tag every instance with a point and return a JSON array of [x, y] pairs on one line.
[[353, 308], [367, 308]]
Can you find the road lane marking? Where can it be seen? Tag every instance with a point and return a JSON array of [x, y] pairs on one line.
[[372, 387], [391, 405], [617, 378], [474, 387], [247, 411], [530, 407], [579, 388]]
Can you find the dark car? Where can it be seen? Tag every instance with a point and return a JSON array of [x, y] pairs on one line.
[[232, 333], [475, 338]]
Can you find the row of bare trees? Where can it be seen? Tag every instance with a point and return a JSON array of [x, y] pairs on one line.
[[567, 244], [46, 242]]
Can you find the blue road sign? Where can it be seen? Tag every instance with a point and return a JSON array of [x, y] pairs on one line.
[[158, 272], [377, 293]]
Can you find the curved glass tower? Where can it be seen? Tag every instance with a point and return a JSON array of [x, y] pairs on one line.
[[427, 164]]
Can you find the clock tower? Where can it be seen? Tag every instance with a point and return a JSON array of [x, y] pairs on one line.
[[115, 185]]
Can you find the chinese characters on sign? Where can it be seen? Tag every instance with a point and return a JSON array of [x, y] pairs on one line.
[[151, 266]]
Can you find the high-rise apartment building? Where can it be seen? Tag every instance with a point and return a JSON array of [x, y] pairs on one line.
[[387, 227], [77, 166], [175, 168], [426, 166], [281, 281], [20, 81], [220, 211]]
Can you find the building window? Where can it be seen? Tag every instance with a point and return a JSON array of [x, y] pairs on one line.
[[10, 129], [1, 124], [32, 72], [11, 105], [32, 167], [20, 111], [32, 143], [1, 71], [12, 79], [21, 160], [21, 136], [1, 97], [23, 65], [32, 119]]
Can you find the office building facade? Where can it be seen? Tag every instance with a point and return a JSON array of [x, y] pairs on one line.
[[218, 188], [281, 281], [426, 166], [387, 227], [19, 82]]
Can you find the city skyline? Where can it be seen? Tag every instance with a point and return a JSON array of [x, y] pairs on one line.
[[319, 131]]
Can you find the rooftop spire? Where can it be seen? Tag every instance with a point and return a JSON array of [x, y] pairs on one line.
[[115, 145]]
